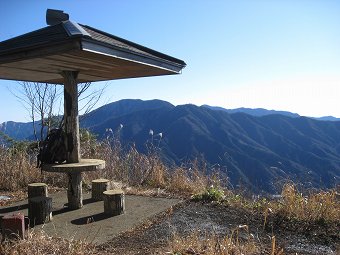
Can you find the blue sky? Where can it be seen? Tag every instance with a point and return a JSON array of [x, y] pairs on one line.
[[274, 54]]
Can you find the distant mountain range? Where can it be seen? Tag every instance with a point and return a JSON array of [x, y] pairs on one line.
[[259, 112], [256, 148]]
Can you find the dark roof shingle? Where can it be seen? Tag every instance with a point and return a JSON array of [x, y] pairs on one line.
[[43, 54]]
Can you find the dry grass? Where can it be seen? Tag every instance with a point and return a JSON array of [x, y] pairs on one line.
[[16, 169], [13, 195], [238, 242], [187, 181], [317, 207], [145, 171], [125, 165], [39, 243]]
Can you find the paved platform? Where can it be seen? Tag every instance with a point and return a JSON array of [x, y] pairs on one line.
[[90, 222]]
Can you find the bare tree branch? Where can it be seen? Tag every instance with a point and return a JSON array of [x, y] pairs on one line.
[[41, 99], [91, 98]]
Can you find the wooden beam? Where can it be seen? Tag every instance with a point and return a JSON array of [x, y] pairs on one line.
[[40, 51], [77, 57]]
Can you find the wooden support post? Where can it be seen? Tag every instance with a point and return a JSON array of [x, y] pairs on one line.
[[37, 190], [98, 187], [71, 118], [74, 191], [39, 210], [114, 202]]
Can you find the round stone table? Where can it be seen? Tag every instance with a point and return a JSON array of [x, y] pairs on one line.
[[74, 170]]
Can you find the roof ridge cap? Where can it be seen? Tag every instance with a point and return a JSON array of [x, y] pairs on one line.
[[74, 29]]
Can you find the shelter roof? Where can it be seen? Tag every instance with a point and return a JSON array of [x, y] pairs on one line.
[[43, 54]]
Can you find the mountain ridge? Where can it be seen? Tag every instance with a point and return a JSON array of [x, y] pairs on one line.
[[259, 112]]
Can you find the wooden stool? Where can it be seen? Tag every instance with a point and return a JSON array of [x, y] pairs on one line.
[[39, 210], [13, 225], [114, 202], [98, 187], [37, 190]]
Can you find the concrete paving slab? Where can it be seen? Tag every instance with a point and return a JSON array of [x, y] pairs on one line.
[[90, 222]]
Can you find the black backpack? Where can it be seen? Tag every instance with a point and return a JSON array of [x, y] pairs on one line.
[[53, 148]]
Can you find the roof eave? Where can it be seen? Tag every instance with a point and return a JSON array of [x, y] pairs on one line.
[[91, 45]]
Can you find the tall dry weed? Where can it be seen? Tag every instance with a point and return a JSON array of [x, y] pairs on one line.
[[187, 181], [127, 164], [321, 206], [133, 168]]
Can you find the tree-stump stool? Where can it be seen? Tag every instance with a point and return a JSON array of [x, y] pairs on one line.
[[114, 202], [39, 210], [98, 187], [37, 190], [13, 226]]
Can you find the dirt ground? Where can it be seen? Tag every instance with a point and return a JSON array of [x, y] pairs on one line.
[[150, 222], [221, 220]]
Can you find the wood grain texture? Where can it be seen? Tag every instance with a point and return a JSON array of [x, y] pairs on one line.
[[98, 187], [39, 210], [37, 190], [114, 202], [75, 191], [71, 117]]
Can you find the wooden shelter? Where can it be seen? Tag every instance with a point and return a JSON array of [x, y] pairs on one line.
[[70, 53]]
